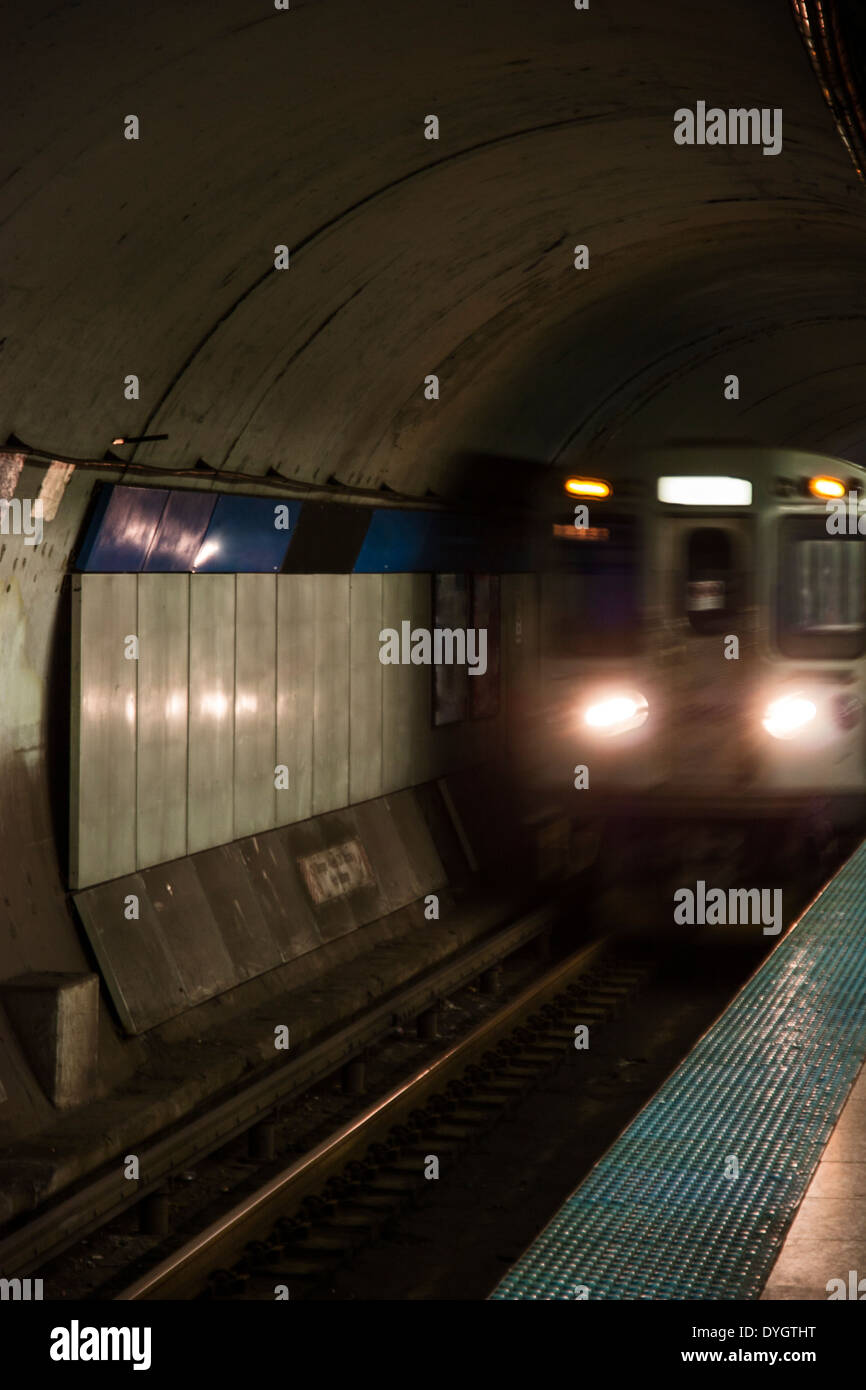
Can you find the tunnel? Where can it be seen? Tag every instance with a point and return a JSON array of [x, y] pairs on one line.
[[286, 287]]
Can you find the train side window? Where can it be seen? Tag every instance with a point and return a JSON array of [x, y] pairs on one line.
[[822, 592], [712, 581]]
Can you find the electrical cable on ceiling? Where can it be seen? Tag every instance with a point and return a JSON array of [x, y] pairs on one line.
[[272, 479]]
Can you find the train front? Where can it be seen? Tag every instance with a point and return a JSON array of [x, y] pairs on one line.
[[702, 645]]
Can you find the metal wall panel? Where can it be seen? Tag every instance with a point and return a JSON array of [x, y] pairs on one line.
[[242, 536], [121, 529], [163, 675], [399, 880], [331, 693], [365, 687], [102, 822], [420, 850], [272, 870], [331, 918], [139, 971], [396, 541], [238, 674], [174, 531], [406, 690], [255, 703], [231, 894], [189, 930], [211, 710], [180, 532], [295, 659]]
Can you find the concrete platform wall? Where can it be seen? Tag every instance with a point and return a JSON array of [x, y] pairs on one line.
[[208, 922]]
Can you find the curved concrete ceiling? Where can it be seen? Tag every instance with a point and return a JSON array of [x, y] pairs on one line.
[[410, 256]]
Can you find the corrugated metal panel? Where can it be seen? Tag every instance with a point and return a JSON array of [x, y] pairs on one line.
[[331, 693], [243, 537], [102, 810], [406, 690], [211, 710], [365, 696], [163, 676], [180, 533], [255, 703], [295, 661]]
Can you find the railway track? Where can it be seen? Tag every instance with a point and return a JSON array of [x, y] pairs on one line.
[[62, 1224], [287, 1237]]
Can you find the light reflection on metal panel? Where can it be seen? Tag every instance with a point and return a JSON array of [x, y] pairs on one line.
[[255, 704], [211, 710], [163, 675]]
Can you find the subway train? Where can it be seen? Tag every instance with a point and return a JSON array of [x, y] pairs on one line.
[[703, 652]]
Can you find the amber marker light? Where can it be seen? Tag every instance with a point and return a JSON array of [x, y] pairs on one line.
[[826, 487], [587, 487]]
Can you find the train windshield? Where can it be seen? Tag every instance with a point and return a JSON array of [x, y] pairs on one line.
[[822, 591], [592, 600]]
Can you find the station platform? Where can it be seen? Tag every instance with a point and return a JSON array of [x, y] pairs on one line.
[[744, 1177]]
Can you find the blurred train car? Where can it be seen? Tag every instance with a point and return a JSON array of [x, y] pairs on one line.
[[703, 655]]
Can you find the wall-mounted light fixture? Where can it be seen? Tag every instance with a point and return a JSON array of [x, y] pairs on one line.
[[138, 438]]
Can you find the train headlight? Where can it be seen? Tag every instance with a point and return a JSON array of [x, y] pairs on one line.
[[617, 712], [789, 715]]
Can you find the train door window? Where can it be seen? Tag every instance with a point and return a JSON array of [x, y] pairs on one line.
[[822, 591], [713, 582]]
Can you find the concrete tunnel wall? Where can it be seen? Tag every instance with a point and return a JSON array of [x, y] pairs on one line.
[[408, 256]]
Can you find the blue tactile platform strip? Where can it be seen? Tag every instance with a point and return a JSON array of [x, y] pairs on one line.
[[657, 1218]]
